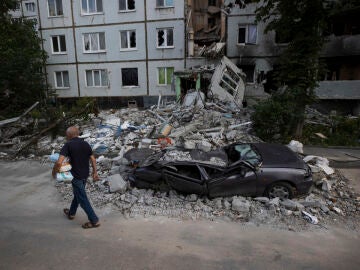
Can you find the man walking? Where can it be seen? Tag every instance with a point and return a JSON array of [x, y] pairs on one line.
[[79, 152]]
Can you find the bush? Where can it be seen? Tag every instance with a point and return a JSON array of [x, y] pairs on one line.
[[274, 119], [343, 131]]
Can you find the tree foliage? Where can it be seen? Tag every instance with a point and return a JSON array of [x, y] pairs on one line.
[[301, 22], [21, 63]]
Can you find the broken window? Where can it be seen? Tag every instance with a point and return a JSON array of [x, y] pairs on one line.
[[128, 39], [249, 71], [58, 44], [126, 5], [91, 6], [18, 5], [62, 79], [165, 75], [96, 78], [212, 3], [94, 42], [211, 22], [247, 34], [30, 7], [55, 8], [129, 76], [164, 3], [165, 38]]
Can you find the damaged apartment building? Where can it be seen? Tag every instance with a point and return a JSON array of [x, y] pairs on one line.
[[230, 28], [134, 51]]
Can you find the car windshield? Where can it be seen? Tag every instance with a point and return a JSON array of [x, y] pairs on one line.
[[246, 152]]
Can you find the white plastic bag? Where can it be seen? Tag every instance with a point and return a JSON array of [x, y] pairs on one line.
[[64, 176]]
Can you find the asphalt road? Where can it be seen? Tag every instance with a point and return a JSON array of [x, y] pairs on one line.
[[34, 234]]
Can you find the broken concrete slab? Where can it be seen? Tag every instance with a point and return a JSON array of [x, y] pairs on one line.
[[321, 162], [240, 206], [227, 82], [262, 199], [326, 185], [291, 205], [117, 183]]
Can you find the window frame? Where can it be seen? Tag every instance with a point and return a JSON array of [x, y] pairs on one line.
[[246, 27], [56, 9], [62, 79], [100, 76], [130, 86], [128, 33], [127, 7], [32, 4], [164, 4], [59, 44], [165, 38], [98, 43], [166, 75], [230, 82], [87, 13]]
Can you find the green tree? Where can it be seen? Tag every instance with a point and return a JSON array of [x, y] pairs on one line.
[[301, 23], [21, 63]]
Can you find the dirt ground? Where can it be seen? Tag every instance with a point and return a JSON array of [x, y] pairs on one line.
[[35, 235]]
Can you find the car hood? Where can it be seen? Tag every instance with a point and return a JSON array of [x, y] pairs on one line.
[[278, 156]]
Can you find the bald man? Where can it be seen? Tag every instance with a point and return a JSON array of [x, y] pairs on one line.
[[79, 153]]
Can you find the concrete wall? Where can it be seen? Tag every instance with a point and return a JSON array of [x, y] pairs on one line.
[[112, 43], [111, 21], [342, 46], [59, 21], [156, 89], [331, 90], [179, 40], [155, 13], [115, 87], [64, 58], [110, 14], [72, 91]]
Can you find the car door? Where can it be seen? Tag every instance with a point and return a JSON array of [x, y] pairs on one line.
[[186, 178], [236, 180]]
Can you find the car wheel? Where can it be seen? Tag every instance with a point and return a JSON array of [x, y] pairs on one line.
[[282, 190]]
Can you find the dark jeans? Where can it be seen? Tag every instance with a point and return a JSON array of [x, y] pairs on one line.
[[81, 198]]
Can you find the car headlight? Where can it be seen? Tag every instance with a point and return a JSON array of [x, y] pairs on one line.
[[307, 171]]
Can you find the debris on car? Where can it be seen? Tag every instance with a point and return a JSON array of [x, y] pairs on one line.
[[256, 169]]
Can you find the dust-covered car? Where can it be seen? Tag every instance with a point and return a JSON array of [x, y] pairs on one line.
[[256, 169]]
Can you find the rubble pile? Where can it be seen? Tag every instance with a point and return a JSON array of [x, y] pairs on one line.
[[338, 206], [331, 201], [112, 133]]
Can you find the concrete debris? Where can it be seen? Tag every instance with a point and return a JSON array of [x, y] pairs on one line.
[[291, 205], [227, 83], [262, 199], [320, 162], [117, 183], [275, 201], [326, 185], [201, 126], [240, 205], [296, 146]]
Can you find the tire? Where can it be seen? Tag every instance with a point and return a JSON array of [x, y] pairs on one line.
[[282, 190]]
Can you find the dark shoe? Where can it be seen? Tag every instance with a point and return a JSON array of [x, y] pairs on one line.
[[89, 225], [66, 212]]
